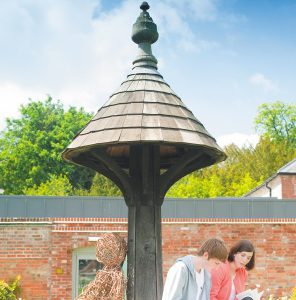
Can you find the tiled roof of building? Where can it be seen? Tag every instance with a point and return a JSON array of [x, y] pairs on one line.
[[289, 168]]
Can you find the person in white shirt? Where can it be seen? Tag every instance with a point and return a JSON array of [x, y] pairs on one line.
[[189, 277]]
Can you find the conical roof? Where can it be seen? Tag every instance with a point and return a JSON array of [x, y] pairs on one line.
[[144, 110]]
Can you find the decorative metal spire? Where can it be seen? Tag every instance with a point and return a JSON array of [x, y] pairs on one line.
[[145, 34]]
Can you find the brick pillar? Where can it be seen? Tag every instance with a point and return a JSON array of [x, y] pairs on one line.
[[288, 186]]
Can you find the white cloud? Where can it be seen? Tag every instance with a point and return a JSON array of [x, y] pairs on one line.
[[262, 81], [238, 139], [79, 53], [197, 46], [12, 97], [205, 10], [172, 18], [61, 50]]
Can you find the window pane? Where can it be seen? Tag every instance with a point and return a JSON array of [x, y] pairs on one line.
[[87, 272]]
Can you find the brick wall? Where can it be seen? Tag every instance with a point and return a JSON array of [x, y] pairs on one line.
[[41, 252], [25, 250], [288, 186]]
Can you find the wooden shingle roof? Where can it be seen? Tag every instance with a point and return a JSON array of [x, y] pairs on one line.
[[144, 109]]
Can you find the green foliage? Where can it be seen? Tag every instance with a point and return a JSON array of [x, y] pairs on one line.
[[247, 167], [278, 122], [102, 186], [10, 290], [244, 169], [55, 186], [61, 186], [293, 296], [31, 163], [31, 147]]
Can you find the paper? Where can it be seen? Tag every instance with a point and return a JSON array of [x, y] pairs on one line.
[[249, 295]]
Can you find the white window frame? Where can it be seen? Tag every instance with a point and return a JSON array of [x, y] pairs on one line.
[[80, 253], [84, 253]]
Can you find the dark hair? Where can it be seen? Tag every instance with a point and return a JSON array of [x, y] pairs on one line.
[[215, 248], [243, 246]]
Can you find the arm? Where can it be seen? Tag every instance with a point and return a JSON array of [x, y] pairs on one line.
[[217, 278], [240, 280], [175, 282]]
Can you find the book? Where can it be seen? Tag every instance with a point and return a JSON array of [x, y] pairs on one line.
[[250, 295]]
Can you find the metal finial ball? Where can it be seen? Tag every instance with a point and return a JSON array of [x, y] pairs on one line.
[[144, 6]]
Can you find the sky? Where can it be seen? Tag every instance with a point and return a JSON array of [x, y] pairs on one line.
[[224, 58]]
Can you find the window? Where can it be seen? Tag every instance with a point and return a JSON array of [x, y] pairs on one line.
[[84, 268]]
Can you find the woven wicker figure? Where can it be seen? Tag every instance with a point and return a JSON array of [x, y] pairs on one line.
[[109, 283]]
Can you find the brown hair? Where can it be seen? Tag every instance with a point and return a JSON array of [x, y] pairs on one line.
[[215, 248], [243, 246]]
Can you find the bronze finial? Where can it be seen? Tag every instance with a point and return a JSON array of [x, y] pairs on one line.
[[144, 30], [144, 6]]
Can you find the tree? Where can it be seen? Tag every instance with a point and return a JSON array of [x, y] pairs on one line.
[[244, 169], [228, 179], [10, 290], [55, 186], [278, 122], [103, 186], [247, 167], [31, 147], [61, 186]]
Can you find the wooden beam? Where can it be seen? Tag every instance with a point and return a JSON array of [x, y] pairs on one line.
[[100, 168], [167, 179], [114, 168], [144, 231], [201, 162]]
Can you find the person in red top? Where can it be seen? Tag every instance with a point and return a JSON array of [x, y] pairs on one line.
[[229, 279]]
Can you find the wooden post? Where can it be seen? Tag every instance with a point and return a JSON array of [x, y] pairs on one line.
[[144, 225]]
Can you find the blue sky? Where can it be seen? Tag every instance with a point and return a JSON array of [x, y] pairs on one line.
[[222, 57]]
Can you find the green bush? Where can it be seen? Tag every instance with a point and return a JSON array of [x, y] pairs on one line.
[[293, 296], [10, 290]]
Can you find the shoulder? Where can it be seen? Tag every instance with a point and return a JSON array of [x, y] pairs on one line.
[[177, 274], [221, 269], [178, 266], [187, 261], [241, 273], [185, 258], [221, 274]]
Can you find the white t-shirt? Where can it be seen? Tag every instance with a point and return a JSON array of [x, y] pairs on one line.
[[200, 279], [232, 293]]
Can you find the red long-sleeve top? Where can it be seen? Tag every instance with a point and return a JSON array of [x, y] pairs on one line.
[[222, 282]]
